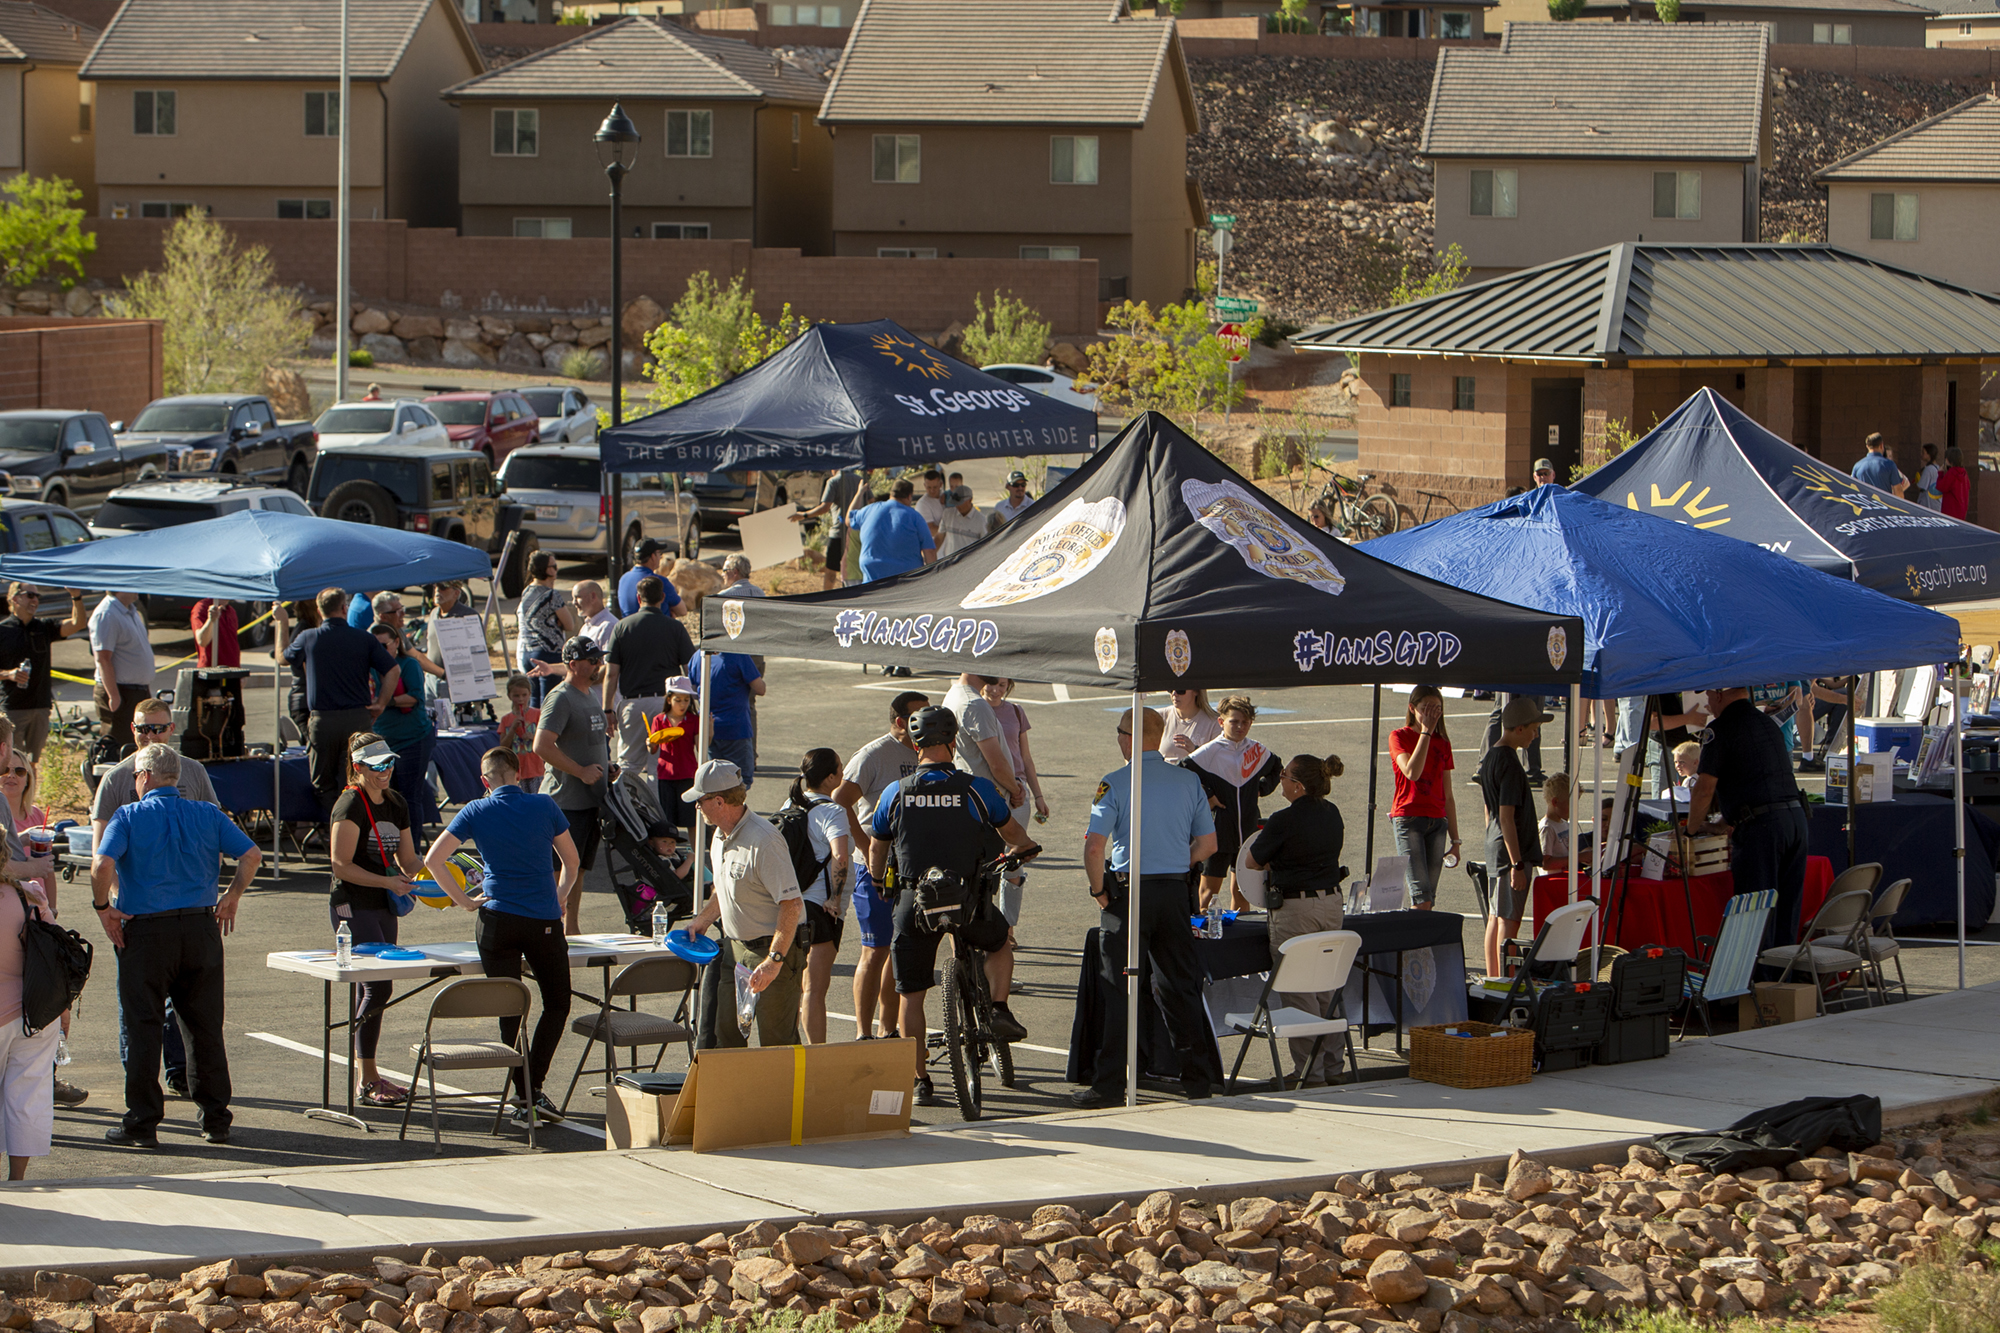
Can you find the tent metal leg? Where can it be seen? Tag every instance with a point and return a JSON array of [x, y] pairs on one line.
[[1957, 812], [1374, 761], [701, 757], [1597, 843], [277, 757], [1135, 867], [1853, 808]]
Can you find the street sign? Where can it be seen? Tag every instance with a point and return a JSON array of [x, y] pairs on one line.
[[1223, 242], [1234, 339], [1222, 221], [1236, 307]]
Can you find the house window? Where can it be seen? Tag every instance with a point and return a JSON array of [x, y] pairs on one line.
[[322, 115], [781, 16], [898, 159], [829, 16], [680, 231], [1399, 391], [1892, 217], [1833, 34], [153, 111], [516, 133], [1496, 193], [906, 252], [313, 210], [1455, 26], [1073, 159], [690, 133], [1051, 252], [86, 105], [1462, 393], [1677, 194], [165, 209], [1965, 29], [547, 229]]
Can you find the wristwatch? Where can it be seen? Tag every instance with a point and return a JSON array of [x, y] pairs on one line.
[[775, 956], [100, 907]]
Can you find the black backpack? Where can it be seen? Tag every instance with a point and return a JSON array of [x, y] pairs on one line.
[[795, 822], [55, 964]]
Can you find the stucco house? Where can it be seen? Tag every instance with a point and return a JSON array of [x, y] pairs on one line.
[[1576, 135], [47, 117]]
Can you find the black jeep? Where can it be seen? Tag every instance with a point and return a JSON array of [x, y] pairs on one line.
[[446, 492]]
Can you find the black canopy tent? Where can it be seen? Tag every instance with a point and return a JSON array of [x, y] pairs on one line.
[[1153, 566]]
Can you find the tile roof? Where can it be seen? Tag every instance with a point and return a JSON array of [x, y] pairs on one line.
[[1603, 90], [1962, 144], [1957, 7], [637, 58], [1649, 301], [1712, 7], [29, 32], [259, 39], [1027, 62]]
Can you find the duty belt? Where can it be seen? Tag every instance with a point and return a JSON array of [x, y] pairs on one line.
[[1744, 816]]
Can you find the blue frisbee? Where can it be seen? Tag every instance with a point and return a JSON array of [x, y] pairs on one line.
[[696, 949], [402, 955]]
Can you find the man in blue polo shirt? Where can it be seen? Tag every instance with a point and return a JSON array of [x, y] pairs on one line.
[[521, 916], [338, 658], [652, 560], [1878, 469], [894, 537], [159, 856], [732, 728]]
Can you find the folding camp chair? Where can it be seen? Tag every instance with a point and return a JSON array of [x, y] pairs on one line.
[[1307, 965], [1880, 941], [1724, 961], [1830, 948], [631, 1026], [474, 997]]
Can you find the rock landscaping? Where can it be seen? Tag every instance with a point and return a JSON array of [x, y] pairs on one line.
[[1544, 1248]]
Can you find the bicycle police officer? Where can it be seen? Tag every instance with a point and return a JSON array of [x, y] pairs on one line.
[[1179, 834], [940, 818], [1746, 773]]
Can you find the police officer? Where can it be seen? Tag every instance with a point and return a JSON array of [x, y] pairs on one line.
[[1179, 834], [943, 818], [1746, 773]]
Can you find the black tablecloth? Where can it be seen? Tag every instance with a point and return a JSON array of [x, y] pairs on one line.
[[1913, 837], [1244, 950]]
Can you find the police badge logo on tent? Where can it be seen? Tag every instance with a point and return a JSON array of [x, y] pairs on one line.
[[1558, 646], [1106, 644], [1180, 654], [1265, 541], [1071, 544], [732, 619]]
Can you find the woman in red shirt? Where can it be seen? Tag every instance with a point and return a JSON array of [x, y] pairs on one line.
[[1424, 813], [1954, 486], [215, 643]]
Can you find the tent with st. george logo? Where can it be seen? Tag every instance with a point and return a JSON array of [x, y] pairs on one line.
[[1710, 466]]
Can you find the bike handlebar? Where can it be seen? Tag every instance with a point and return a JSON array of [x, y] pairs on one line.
[[1013, 860]]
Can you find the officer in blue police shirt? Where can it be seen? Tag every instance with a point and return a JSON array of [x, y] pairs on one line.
[[1746, 773], [1179, 834]]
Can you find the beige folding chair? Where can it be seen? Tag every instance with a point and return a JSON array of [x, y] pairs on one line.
[[1879, 942], [1307, 965], [1829, 947], [1864, 878], [631, 1026], [473, 997]]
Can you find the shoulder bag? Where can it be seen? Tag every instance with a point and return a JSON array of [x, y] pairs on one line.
[[55, 963]]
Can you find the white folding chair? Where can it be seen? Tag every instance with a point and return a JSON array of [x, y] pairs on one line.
[[1307, 965], [1829, 946], [1552, 956]]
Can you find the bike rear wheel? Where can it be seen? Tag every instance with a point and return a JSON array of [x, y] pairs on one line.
[[1379, 516], [961, 1036], [998, 1053]]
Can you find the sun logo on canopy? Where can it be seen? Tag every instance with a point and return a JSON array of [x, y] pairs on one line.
[[1840, 490], [912, 356], [1698, 513]]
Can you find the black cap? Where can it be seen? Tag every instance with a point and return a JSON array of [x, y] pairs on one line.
[[660, 828], [580, 649], [649, 548]]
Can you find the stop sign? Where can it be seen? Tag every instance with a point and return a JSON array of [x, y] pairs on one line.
[[1233, 337]]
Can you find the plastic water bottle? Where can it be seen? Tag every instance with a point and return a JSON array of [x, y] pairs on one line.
[[660, 922], [343, 945], [62, 1049], [1213, 927]]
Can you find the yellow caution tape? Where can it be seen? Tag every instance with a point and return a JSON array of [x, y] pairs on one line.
[[89, 680], [798, 1095]]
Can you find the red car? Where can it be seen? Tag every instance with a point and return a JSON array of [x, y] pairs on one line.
[[494, 421]]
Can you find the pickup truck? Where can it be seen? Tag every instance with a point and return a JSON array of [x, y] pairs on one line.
[[70, 459], [228, 435]]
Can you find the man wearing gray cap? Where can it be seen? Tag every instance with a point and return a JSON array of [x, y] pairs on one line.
[[962, 523], [1017, 499], [1545, 472], [758, 899], [573, 740]]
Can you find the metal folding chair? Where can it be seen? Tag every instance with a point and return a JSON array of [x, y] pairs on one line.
[[1307, 965], [631, 1026], [473, 997], [1829, 948], [1879, 942], [1724, 961]]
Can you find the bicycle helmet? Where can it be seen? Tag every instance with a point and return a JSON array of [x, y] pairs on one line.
[[934, 726]]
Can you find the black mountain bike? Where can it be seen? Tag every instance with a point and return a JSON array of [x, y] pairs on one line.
[[967, 1041]]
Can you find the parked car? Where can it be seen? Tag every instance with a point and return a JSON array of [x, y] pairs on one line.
[[33, 525], [495, 422], [227, 435], [167, 504], [561, 487], [401, 421], [71, 459], [725, 497], [1043, 380], [565, 414], [443, 491]]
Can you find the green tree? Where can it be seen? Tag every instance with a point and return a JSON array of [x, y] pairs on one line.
[[1291, 17], [40, 232], [1562, 11], [226, 317], [1167, 360], [712, 334], [1669, 11], [1012, 331], [1448, 274], [575, 16]]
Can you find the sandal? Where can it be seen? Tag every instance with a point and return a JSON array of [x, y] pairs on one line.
[[383, 1093]]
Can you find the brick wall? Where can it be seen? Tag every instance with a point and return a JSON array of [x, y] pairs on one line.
[[113, 366], [1914, 62]]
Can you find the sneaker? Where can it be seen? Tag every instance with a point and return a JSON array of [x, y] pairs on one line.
[[1196, 1089], [543, 1111], [1091, 1098], [68, 1094], [1006, 1027], [926, 1092], [177, 1085], [219, 1134], [125, 1138]]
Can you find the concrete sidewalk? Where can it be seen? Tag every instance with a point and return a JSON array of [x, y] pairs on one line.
[[1922, 1058]]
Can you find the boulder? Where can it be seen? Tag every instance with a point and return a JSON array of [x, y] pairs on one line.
[[418, 326], [1527, 1177], [1256, 1215], [520, 354], [384, 347], [458, 352], [804, 1245], [1212, 1278], [64, 1287], [424, 349], [465, 330], [372, 320], [292, 401], [79, 301], [1395, 1278], [284, 1283], [642, 315], [595, 336], [555, 354], [496, 329]]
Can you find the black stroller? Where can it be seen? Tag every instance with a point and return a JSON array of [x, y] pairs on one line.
[[638, 875]]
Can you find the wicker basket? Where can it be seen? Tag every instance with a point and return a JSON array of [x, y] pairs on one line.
[[1478, 1061]]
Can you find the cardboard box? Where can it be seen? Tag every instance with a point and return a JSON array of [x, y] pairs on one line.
[[1875, 776], [1773, 1002], [768, 1096]]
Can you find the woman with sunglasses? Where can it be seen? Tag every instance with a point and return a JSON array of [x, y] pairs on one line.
[[1190, 723], [374, 855], [406, 723], [17, 783], [1424, 813], [26, 687]]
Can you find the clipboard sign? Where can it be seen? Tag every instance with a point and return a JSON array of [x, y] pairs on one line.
[[468, 669], [771, 538]]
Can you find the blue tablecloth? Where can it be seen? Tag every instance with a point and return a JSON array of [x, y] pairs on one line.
[[1912, 836], [244, 785]]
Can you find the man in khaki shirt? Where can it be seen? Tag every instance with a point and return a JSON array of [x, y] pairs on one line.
[[758, 900]]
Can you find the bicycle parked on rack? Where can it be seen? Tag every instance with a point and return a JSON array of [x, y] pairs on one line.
[[967, 1041], [1353, 513]]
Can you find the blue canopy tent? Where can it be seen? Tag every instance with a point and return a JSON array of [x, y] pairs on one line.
[[839, 394], [1710, 466], [1665, 606], [254, 555]]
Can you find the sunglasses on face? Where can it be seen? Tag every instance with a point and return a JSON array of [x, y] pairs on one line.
[[1123, 732], [152, 728], [376, 765], [29, 596], [17, 772]]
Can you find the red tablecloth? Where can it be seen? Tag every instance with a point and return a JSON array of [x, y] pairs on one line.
[[1655, 913]]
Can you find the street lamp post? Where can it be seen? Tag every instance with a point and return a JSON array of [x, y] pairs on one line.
[[618, 149]]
